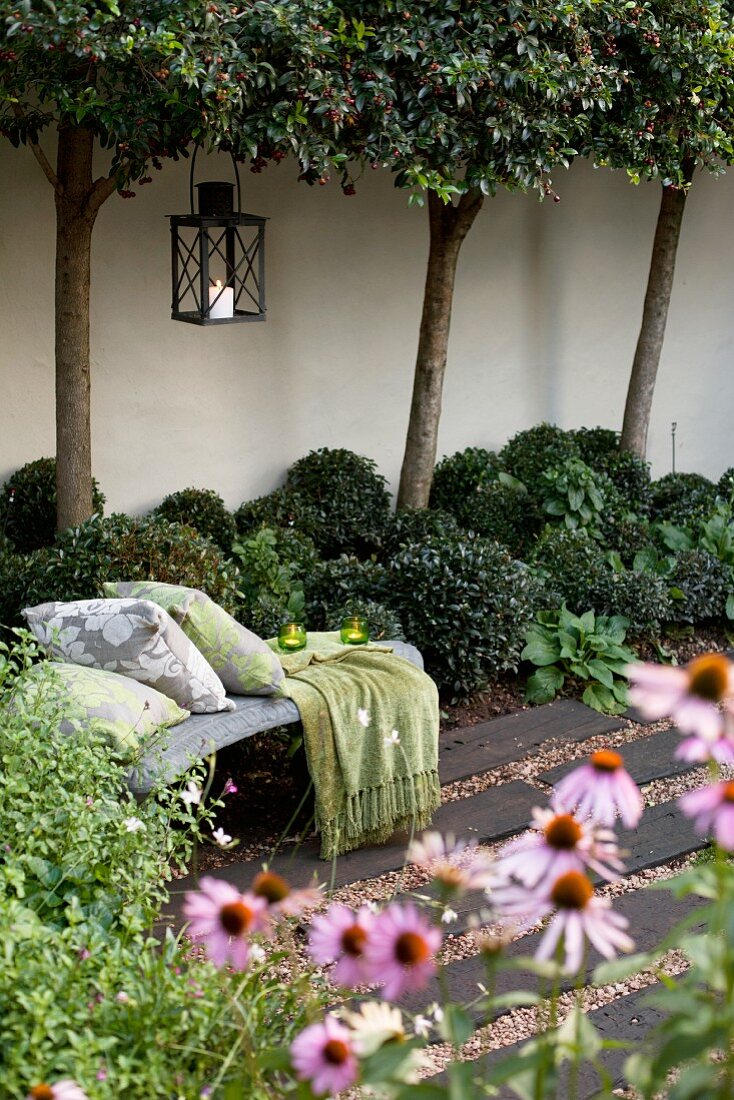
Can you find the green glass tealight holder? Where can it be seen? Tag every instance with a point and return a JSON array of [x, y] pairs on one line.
[[292, 637], [354, 631]]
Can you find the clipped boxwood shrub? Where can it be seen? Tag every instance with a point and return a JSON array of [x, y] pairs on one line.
[[642, 598], [596, 445], [11, 587], [700, 584], [347, 495], [630, 476], [125, 548], [503, 513], [682, 498], [414, 525], [202, 509], [282, 508], [625, 533], [457, 477], [335, 583], [465, 603], [28, 505], [541, 448], [570, 563]]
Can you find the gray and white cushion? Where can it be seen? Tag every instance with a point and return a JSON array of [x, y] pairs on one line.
[[134, 638]]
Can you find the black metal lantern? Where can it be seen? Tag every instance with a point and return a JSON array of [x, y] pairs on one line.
[[217, 258]]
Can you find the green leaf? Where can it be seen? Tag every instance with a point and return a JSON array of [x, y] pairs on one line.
[[730, 606], [600, 698], [540, 653], [543, 685], [601, 672], [456, 1026]]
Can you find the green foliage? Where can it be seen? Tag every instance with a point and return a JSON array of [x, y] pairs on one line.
[[28, 505], [271, 583], [457, 477], [577, 572], [335, 584], [571, 492], [596, 445], [202, 509], [588, 648], [700, 584], [725, 486], [682, 499], [348, 497], [414, 525], [123, 548], [282, 508], [465, 603], [503, 510], [79, 892], [672, 111], [529, 453]]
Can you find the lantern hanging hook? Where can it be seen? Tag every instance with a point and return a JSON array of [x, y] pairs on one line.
[[191, 180]]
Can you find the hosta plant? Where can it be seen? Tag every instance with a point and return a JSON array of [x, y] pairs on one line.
[[572, 493], [589, 648]]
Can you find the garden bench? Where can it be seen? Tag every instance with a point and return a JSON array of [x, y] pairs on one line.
[[200, 735]]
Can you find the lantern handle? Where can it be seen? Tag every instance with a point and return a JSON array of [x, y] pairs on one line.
[[191, 181]]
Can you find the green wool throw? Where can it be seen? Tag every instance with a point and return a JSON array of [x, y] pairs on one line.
[[367, 786]]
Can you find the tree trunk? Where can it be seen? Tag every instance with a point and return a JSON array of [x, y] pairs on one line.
[[654, 317], [75, 216], [449, 226]]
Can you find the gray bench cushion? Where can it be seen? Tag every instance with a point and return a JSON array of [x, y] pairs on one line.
[[174, 750]]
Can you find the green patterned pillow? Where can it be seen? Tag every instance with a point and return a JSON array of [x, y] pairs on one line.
[[244, 663], [123, 710]]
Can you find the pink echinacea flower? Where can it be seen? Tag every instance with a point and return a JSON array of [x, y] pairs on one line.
[[340, 936], [224, 918], [456, 866], [323, 1055], [712, 810], [580, 915], [400, 951], [62, 1090], [559, 842], [688, 695], [279, 896], [601, 789]]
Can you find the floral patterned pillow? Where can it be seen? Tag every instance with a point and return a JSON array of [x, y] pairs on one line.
[[245, 663], [134, 638], [124, 712]]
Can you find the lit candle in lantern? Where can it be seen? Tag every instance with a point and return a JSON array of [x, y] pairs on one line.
[[354, 631], [221, 300], [292, 637]]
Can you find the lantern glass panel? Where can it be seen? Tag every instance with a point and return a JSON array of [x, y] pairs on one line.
[[206, 251]]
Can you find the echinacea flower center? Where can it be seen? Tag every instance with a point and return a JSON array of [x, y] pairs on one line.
[[605, 760], [336, 1052], [270, 886], [42, 1092], [572, 891], [236, 918], [411, 949], [728, 795], [563, 832], [708, 677], [450, 877], [353, 940]]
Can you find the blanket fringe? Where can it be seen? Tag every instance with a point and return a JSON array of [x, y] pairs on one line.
[[372, 816]]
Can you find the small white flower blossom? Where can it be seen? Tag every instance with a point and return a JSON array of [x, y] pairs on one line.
[[192, 795], [363, 717], [448, 916], [257, 954], [122, 997], [393, 739], [133, 824], [221, 838], [436, 1011], [422, 1026]]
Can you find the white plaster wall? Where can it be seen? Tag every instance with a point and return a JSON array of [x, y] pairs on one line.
[[547, 309]]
